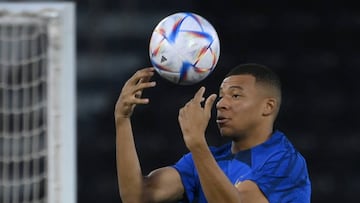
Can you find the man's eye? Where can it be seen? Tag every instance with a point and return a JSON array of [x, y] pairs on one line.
[[235, 96]]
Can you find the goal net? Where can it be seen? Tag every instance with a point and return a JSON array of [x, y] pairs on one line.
[[37, 103]]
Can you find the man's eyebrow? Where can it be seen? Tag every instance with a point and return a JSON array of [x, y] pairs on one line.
[[236, 87], [232, 87]]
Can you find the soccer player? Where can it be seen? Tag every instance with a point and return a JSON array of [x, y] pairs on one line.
[[258, 165]]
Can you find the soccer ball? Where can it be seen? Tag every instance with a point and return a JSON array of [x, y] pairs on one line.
[[184, 48]]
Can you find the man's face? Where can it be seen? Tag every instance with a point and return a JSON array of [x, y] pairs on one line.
[[239, 109]]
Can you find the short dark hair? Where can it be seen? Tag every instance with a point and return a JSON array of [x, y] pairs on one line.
[[261, 73]]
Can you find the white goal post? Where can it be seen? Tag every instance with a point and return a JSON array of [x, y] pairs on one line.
[[37, 102]]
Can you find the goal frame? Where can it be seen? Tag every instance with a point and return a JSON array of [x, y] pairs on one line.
[[61, 113]]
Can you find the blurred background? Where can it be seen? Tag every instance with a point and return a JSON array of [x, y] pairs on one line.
[[313, 45]]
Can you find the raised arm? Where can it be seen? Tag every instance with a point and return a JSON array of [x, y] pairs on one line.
[[193, 119], [160, 185]]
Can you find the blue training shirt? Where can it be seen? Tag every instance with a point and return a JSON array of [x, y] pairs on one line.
[[277, 168]]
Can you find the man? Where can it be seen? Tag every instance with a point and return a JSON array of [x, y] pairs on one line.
[[259, 165]]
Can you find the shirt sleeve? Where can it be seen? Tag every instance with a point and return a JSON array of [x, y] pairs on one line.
[[185, 167], [284, 178]]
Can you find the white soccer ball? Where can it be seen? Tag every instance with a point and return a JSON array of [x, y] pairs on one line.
[[184, 48]]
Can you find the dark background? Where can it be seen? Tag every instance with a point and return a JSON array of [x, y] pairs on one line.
[[313, 45]]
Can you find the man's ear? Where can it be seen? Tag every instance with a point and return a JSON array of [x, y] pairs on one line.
[[270, 106]]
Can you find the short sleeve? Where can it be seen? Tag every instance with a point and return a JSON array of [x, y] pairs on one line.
[[283, 178], [185, 167]]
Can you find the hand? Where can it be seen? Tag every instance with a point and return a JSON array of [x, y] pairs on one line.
[[131, 92], [194, 118]]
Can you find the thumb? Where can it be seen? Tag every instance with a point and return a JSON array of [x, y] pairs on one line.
[[209, 103]]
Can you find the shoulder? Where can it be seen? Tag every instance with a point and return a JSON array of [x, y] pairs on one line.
[[278, 151], [278, 144], [281, 171]]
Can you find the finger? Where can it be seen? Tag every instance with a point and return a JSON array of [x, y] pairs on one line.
[[145, 79], [181, 114], [188, 103], [137, 94], [141, 86], [209, 103], [142, 75], [141, 101], [199, 95]]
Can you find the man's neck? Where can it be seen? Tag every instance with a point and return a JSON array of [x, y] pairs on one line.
[[250, 140]]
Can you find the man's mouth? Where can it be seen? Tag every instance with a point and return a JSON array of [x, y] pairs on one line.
[[221, 120]]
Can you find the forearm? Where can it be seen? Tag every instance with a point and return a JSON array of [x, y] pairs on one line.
[[216, 186], [130, 178]]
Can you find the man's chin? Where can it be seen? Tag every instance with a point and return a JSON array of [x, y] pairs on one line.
[[229, 134], [226, 134]]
